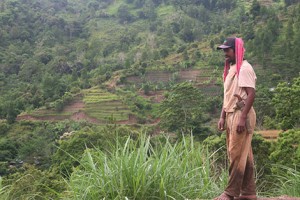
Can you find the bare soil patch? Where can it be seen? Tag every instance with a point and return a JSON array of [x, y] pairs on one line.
[[81, 116], [269, 134], [75, 106], [266, 2]]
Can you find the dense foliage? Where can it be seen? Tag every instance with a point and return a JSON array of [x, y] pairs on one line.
[[49, 48], [183, 110], [287, 104], [55, 51]]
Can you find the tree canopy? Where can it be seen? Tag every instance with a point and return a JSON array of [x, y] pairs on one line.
[[184, 109], [287, 104]]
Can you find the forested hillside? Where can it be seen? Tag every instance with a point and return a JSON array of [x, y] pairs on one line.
[[52, 49], [75, 74]]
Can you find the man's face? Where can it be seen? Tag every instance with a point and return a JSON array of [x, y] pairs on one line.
[[229, 55]]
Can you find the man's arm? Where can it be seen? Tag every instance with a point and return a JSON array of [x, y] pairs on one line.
[[221, 122], [248, 104]]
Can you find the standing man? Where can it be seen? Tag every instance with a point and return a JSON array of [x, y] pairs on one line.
[[239, 118]]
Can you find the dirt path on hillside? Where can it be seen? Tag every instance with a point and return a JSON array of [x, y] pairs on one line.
[[189, 75], [279, 198], [271, 198]]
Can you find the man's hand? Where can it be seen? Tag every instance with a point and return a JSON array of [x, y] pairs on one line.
[[242, 125], [221, 124], [248, 104]]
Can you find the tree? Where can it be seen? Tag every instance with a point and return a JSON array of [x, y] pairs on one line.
[[187, 34], [296, 39], [124, 14], [148, 11], [30, 70], [287, 104], [290, 2], [263, 104], [265, 38], [183, 109], [11, 107], [187, 30], [52, 87], [255, 9]]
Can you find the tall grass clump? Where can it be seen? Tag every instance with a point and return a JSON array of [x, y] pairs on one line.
[[137, 169], [288, 182], [3, 191]]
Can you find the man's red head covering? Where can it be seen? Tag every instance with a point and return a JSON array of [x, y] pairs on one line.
[[239, 57]]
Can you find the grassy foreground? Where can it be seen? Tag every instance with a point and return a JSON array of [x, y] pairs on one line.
[[140, 170], [143, 168]]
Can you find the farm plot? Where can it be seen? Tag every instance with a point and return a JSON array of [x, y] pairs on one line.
[[104, 106]]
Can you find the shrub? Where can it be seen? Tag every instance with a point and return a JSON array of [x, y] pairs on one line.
[[69, 151], [287, 149], [32, 184], [4, 127]]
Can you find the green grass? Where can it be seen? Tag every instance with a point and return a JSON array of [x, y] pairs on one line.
[[3, 190], [43, 112], [143, 168], [101, 115], [138, 170], [47, 113], [288, 181], [96, 95]]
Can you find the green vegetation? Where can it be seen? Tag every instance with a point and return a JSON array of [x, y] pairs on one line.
[[108, 163], [183, 110], [287, 144], [104, 105], [289, 181], [139, 170], [48, 57], [152, 64], [287, 104]]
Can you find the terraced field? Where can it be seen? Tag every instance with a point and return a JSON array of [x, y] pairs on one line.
[[103, 105], [205, 79], [99, 106], [196, 75], [93, 105]]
